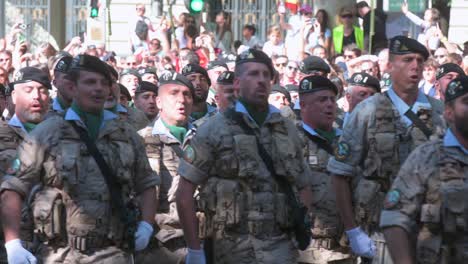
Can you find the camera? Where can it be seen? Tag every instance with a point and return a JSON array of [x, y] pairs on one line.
[[23, 26]]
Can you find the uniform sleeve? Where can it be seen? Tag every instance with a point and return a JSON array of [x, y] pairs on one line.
[[145, 177], [351, 146], [403, 202], [31, 156], [198, 156]]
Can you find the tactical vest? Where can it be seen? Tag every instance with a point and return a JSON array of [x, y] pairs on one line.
[[443, 236], [74, 204], [389, 143], [325, 218], [241, 196]]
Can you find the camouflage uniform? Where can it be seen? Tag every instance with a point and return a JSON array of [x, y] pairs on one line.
[[246, 213], [428, 200], [11, 134], [133, 116], [72, 211], [164, 152], [327, 228], [377, 139]]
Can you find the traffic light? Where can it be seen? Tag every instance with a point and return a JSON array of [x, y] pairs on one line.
[[194, 6], [94, 12]]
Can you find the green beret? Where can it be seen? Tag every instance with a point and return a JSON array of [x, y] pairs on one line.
[[169, 77], [316, 83], [448, 67], [456, 88], [195, 68], [147, 70], [63, 64], [217, 63], [313, 63], [254, 55], [401, 45], [366, 80]]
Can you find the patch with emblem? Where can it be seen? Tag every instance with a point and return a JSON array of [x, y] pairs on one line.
[[313, 160], [453, 87], [358, 78], [392, 199], [342, 151], [14, 167], [18, 76], [189, 154]]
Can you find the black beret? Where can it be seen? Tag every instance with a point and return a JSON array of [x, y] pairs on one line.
[[92, 64], [280, 89], [147, 70], [146, 87], [366, 80], [456, 88], [313, 63], [401, 45], [316, 83], [292, 88], [254, 55], [124, 91], [217, 63], [129, 72], [113, 72], [448, 67], [29, 74], [169, 77], [195, 68], [63, 64], [226, 77]]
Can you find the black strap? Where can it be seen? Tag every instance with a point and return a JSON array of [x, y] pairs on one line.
[[416, 120], [113, 186], [282, 182], [176, 148], [321, 143]]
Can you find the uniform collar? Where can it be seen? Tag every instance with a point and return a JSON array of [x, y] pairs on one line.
[[72, 115], [421, 103], [121, 109], [240, 108], [311, 131], [15, 122], [451, 141], [56, 106], [160, 129]]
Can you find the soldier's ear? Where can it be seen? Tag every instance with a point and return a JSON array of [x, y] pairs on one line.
[[158, 102], [13, 96]]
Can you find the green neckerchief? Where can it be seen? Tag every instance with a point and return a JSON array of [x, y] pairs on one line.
[[92, 121], [177, 131], [212, 90], [29, 126], [131, 104], [328, 135], [198, 115], [61, 103], [258, 117]]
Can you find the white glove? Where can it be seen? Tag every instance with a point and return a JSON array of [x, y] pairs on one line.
[[195, 256], [143, 235], [17, 254], [360, 242]]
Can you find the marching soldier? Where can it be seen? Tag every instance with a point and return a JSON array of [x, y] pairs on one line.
[[248, 160], [163, 145], [90, 166], [378, 137], [317, 97], [31, 97], [224, 90], [64, 96], [145, 100], [444, 75], [428, 199]]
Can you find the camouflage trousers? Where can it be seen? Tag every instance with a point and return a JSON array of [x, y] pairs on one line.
[[66, 255], [320, 255], [171, 252], [247, 249]]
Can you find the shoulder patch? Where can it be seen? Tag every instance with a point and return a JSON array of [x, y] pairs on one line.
[[342, 151], [391, 199], [189, 154]]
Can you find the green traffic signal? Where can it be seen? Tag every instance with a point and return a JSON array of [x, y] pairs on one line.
[[196, 5], [94, 12]]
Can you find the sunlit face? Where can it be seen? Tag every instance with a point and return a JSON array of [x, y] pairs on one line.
[[90, 91], [406, 71], [31, 101], [175, 103]]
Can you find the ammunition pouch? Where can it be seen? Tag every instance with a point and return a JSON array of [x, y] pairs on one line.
[[49, 215]]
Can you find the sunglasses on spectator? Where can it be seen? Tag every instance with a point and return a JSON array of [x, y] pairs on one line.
[[349, 56], [439, 56], [281, 64], [140, 8], [131, 63], [292, 68], [347, 16]]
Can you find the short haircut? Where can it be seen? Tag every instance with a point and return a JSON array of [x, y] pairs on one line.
[[251, 28], [431, 62], [354, 48], [362, 4], [275, 30]]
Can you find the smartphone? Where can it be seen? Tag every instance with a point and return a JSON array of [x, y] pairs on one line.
[[23, 26], [313, 20]]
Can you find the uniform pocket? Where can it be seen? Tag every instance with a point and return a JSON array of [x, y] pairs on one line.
[[229, 203], [247, 155], [49, 214]]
